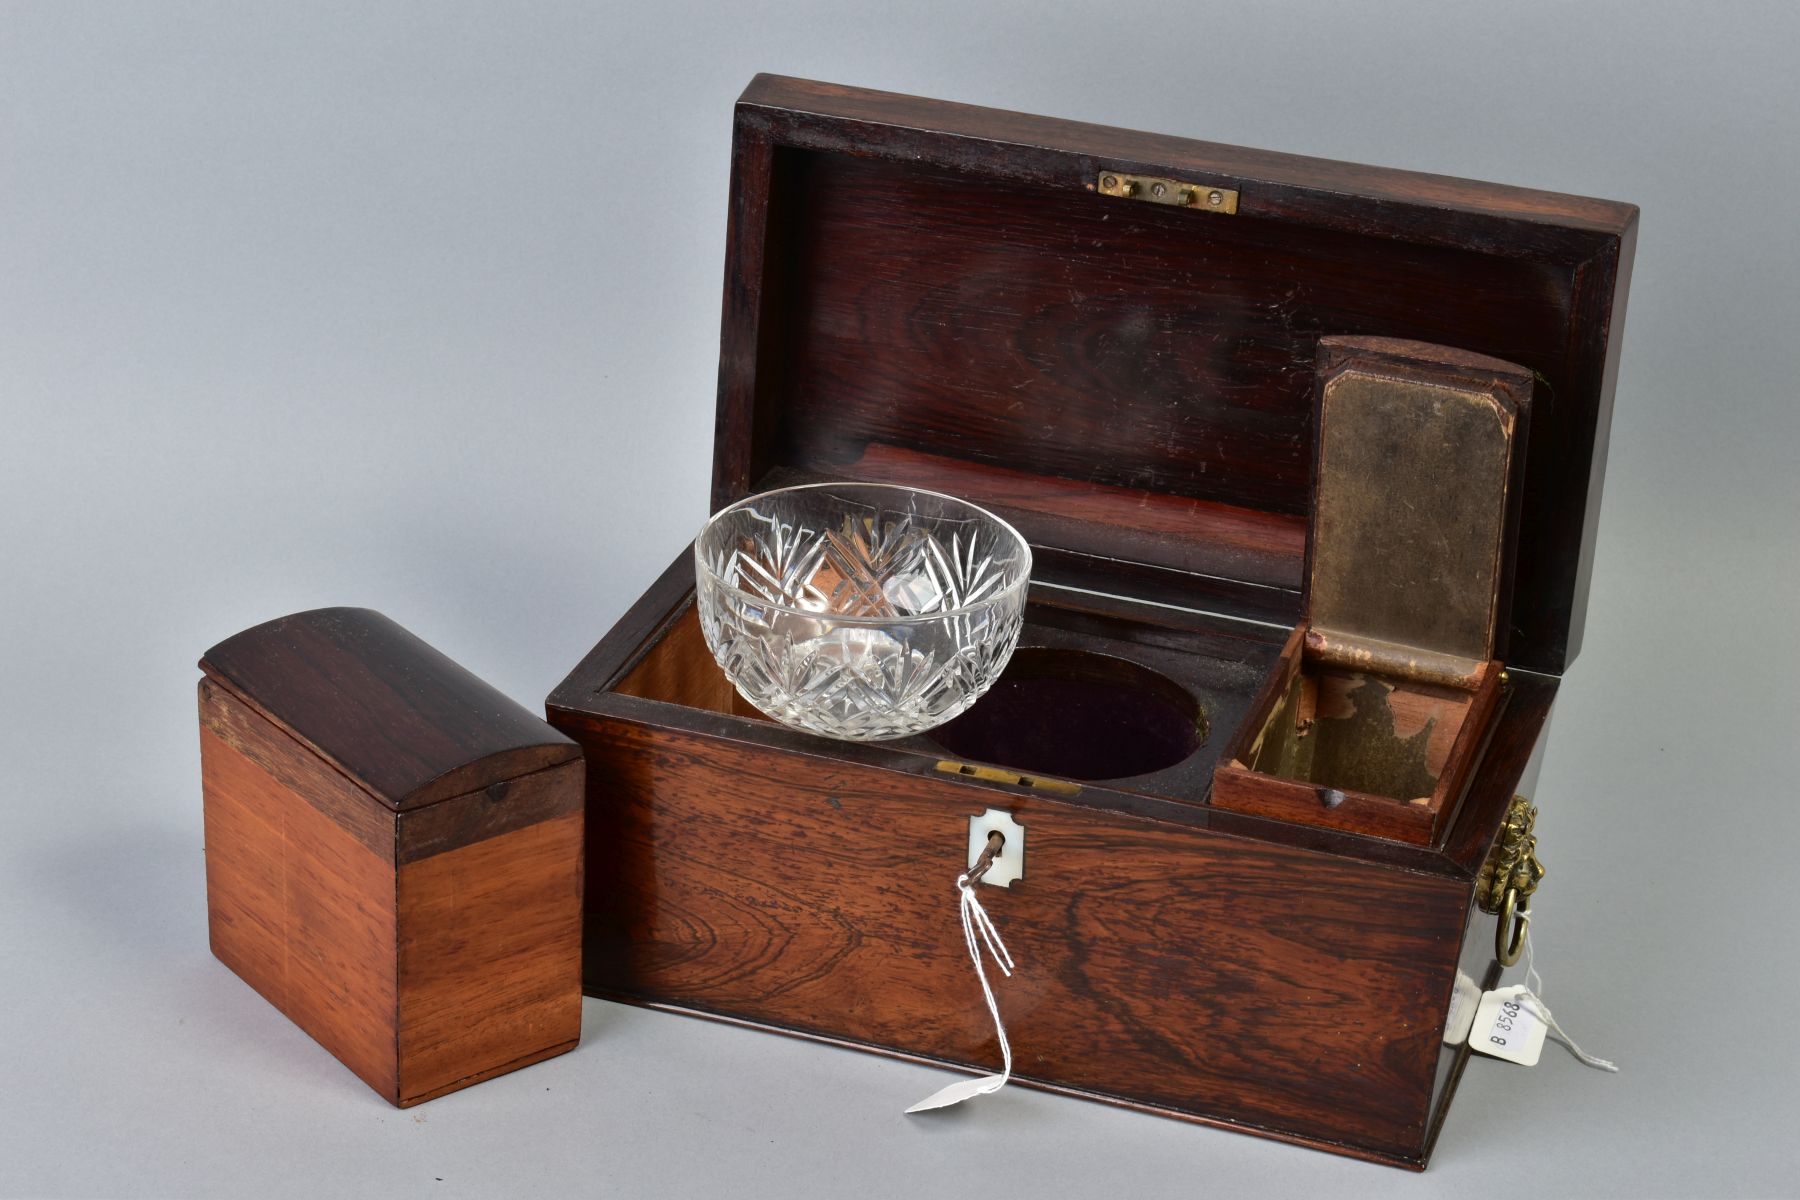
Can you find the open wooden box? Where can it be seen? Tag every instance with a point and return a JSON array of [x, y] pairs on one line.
[[1113, 340]]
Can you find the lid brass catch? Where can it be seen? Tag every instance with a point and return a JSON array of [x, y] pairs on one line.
[[1204, 196], [996, 775]]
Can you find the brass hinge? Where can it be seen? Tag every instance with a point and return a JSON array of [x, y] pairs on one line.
[[1203, 196], [1390, 658]]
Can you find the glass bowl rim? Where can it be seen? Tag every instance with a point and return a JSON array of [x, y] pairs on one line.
[[1022, 581]]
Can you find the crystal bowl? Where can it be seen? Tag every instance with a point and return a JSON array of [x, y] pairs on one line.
[[860, 611]]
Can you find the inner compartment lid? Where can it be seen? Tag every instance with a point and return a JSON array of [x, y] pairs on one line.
[[1416, 502], [951, 297]]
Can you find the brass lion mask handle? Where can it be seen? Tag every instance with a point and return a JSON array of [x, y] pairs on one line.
[[1508, 879]]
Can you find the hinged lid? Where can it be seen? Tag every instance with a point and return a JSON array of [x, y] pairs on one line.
[[955, 297], [402, 721], [1415, 505]]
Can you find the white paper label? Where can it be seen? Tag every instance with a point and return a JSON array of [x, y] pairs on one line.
[[1507, 1026], [1463, 1003]]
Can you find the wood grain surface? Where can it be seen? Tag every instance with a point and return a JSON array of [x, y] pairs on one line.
[[409, 725], [753, 873], [944, 133], [490, 937], [910, 277], [1179, 969], [426, 945], [928, 293], [1241, 656], [1204, 679], [300, 906]]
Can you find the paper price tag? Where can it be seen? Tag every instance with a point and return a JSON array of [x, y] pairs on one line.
[[1507, 1026], [956, 1093]]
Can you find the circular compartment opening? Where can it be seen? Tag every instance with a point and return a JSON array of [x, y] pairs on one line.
[[1079, 715]]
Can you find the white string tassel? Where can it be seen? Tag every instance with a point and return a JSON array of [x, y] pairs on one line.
[[1534, 995], [975, 920]]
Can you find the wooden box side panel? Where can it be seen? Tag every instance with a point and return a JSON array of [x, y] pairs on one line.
[[490, 932], [300, 896], [1210, 976]]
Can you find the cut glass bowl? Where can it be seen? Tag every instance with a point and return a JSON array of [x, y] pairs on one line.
[[860, 611]]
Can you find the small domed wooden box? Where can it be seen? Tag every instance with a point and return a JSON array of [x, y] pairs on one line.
[[393, 851]]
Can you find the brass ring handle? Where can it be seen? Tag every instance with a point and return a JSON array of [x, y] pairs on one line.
[[1510, 930], [1508, 879]]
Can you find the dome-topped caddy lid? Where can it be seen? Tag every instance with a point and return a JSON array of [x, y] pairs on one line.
[[398, 718]]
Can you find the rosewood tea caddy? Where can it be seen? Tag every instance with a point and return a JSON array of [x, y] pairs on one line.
[[1309, 458], [393, 851]]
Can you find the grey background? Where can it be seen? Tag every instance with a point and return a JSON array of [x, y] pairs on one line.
[[415, 306]]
